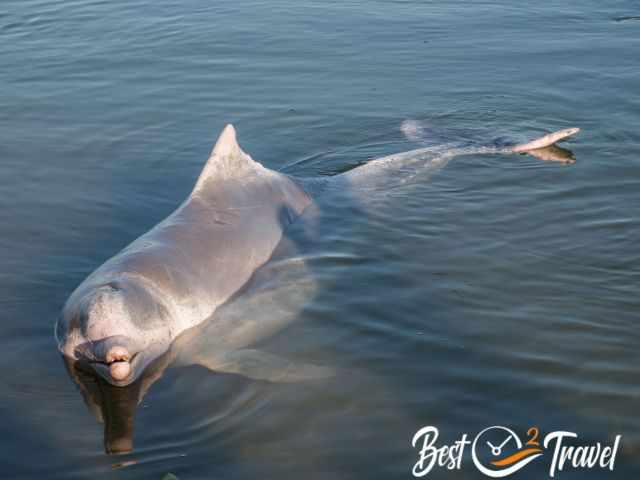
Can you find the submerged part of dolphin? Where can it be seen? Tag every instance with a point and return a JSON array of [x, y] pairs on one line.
[[130, 310]]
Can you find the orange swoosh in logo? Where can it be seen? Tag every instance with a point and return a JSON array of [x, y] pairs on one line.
[[516, 456]]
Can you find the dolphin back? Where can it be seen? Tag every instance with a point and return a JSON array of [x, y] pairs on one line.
[[210, 246]]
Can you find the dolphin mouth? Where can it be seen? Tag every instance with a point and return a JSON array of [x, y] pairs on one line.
[[119, 359], [118, 370], [116, 359]]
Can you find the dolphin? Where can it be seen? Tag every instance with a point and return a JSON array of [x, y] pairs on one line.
[[191, 269]]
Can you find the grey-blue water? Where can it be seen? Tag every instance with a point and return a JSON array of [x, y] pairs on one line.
[[493, 291]]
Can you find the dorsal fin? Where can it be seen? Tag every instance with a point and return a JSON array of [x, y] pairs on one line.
[[227, 143], [227, 160]]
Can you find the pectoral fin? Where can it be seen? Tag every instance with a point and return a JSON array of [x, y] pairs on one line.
[[259, 365]]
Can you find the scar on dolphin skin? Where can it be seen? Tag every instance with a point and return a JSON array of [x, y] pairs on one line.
[[127, 321]]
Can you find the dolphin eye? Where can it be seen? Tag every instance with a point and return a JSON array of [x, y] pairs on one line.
[[113, 285]]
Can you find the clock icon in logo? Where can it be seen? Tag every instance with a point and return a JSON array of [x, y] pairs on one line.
[[495, 451], [498, 451]]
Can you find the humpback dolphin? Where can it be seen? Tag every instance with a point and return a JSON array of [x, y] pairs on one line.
[[129, 312]]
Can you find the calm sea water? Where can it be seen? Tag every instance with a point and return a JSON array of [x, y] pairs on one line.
[[494, 291]]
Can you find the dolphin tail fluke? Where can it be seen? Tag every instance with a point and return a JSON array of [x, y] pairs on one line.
[[545, 141], [399, 168]]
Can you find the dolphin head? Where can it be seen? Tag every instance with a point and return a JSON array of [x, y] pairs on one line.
[[115, 329]]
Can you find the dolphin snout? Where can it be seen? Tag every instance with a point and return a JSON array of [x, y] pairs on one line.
[[118, 359], [111, 357]]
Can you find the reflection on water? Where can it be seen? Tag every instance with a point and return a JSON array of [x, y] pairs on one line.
[[115, 407], [494, 291], [554, 153]]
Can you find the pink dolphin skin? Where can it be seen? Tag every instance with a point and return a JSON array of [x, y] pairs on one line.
[[545, 141], [128, 312]]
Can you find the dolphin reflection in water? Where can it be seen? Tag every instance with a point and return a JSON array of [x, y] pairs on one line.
[[214, 278]]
